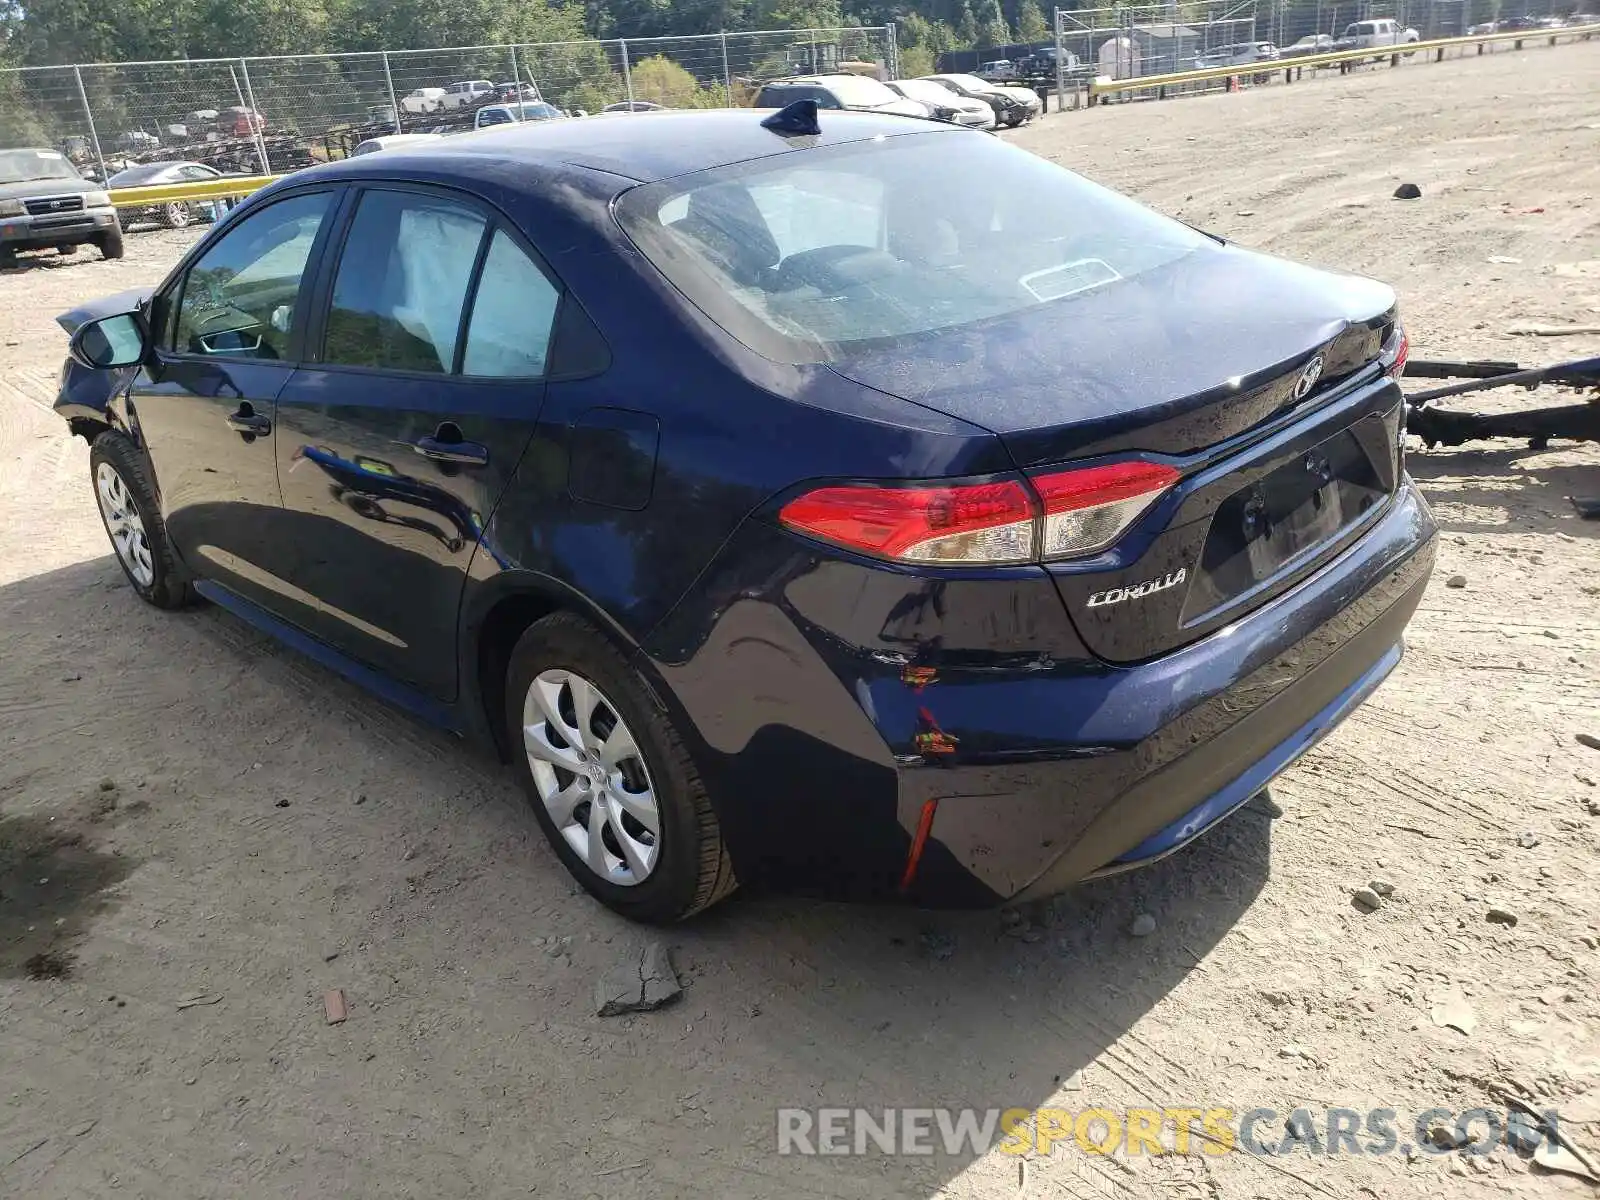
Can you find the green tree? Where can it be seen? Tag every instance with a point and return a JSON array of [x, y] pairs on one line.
[[992, 28], [662, 81], [1031, 26], [916, 61]]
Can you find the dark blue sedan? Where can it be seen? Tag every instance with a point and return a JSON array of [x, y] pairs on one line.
[[873, 509]]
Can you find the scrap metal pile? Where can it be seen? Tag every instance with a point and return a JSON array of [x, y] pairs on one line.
[[1450, 427]]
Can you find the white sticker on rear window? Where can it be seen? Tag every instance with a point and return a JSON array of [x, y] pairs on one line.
[[47, 154]]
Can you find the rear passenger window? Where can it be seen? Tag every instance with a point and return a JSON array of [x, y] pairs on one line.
[[402, 283], [509, 334]]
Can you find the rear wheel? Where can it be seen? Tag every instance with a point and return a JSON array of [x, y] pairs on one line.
[[133, 522], [611, 784], [66, 250], [176, 215]]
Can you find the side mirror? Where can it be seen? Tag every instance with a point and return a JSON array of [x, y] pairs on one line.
[[109, 342]]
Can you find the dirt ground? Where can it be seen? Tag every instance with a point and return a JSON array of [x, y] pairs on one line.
[[188, 811]]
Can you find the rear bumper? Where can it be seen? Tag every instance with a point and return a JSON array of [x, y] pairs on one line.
[[833, 705], [1219, 720]]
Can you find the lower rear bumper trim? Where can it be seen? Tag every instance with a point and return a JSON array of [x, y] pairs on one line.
[[1222, 804]]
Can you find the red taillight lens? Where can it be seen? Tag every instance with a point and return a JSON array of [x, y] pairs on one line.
[[1087, 509], [972, 523], [1397, 358]]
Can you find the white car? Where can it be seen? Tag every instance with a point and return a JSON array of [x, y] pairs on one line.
[[838, 91], [423, 100], [511, 114], [390, 140], [1364, 35], [974, 113], [469, 92], [998, 71], [1011, 105]]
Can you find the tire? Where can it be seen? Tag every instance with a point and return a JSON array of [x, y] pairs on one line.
[[110, 242], [153, 572], [176, 215], [691, 868], [64, 251]]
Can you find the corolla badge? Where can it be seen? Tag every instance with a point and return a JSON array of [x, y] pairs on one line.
[[1138, 591], [1308, 378]]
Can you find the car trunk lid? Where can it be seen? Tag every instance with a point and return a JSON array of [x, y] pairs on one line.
[[1251, 375]]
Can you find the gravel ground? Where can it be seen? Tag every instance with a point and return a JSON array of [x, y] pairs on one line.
[[187, 811]]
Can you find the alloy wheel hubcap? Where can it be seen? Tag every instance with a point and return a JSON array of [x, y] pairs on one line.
[[124, 525], [591, 777]]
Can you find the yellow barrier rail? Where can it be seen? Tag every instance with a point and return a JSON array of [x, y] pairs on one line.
[[1106, 87], [155, 194]]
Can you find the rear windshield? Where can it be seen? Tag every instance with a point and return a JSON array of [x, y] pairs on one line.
[[809, 255], [23, 166]]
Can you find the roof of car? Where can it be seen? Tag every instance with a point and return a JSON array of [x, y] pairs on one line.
[[673, 142]]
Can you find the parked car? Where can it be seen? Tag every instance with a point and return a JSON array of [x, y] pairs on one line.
[[1583, 18], [381, 114], [944, 104], [1011, 105], [1366, 35], [944, 570], [174, 214], [507, 114], [1043, 63], [512, 90], [46, 204], [838, 91], [390, 140], [1315, 43], [634, 106], [135, 141], [1241, 54], [240, 122], [423, 101], [1001, 70], [1514, 24], [467, 93]]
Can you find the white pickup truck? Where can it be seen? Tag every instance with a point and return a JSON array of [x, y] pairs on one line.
[[1365, 35]]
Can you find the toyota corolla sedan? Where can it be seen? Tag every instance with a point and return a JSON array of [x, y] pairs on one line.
[[776, 526]]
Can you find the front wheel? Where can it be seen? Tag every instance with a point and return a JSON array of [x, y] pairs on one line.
[[110, 242], [611, 784], [133, 522]]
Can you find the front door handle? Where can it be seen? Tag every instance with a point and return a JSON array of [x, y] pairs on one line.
[[464, 454], [247, 422]]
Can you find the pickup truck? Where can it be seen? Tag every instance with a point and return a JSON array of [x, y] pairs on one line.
[[1367, 35], [45, 204]]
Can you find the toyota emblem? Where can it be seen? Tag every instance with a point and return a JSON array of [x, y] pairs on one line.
[[1308, 378]]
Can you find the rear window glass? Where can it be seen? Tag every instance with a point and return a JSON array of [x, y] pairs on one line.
[[807, 255]]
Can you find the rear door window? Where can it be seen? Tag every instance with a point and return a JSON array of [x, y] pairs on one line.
[[402, 282], [508, 335]]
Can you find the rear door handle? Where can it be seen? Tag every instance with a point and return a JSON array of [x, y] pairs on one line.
[[245, 421], [465, 454]]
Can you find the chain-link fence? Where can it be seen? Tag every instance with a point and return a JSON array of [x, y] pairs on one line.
[[1260, 36], [270, 115], [1127, 42]]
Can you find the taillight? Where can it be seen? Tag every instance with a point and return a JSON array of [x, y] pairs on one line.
[[1395, 359], [972, 523], [1068, 513], [1087, 509]]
